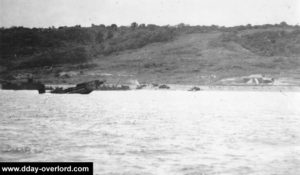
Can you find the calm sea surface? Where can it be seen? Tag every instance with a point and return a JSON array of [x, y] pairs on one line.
[[156, 132]]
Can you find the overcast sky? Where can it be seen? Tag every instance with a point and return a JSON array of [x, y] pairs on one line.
[[45, 13]]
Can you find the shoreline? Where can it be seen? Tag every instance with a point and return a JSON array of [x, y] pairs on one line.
[[184, 87], [240, 88], [181, 87]]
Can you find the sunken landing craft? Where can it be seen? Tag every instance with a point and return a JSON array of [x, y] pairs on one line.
[[88, 87], [81, 88]]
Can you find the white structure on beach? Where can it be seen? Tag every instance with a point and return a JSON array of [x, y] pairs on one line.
[[257, 79]]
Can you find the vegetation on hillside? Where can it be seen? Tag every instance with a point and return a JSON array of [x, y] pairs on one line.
[[23, 47], [268, 43], [37, 47]]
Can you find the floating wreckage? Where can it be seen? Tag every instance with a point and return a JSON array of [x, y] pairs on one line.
[[113, 87], [81, 88], [72, 90], [88, 87], [163, 87], [195, 89], [28, 85]]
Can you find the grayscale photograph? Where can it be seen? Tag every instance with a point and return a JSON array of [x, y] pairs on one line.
[[150, 87]]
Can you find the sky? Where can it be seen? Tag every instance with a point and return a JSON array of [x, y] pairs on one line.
[[46, 13]]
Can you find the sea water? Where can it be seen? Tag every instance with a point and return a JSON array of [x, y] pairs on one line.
[[156, 132]]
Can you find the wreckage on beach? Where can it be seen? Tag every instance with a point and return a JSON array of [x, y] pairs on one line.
[[88, 87], [81, 88]]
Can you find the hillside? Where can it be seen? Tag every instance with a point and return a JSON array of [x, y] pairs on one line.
[[187, 55]]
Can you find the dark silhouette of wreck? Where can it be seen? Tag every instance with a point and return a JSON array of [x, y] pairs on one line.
[[81, 88]]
